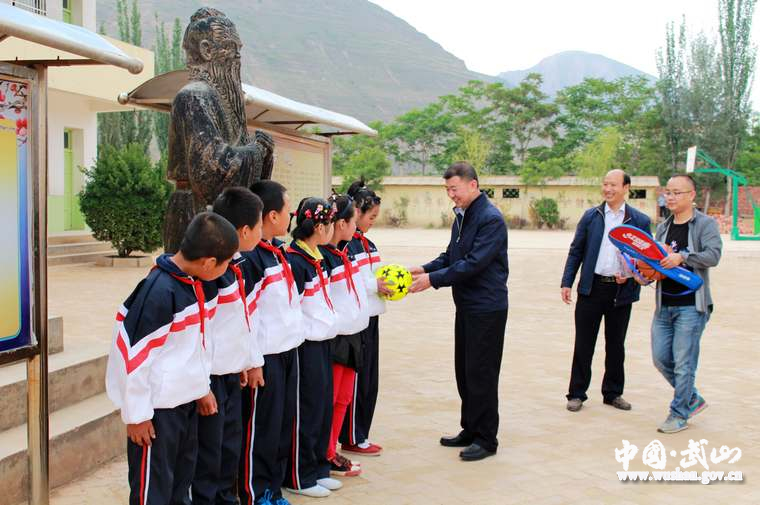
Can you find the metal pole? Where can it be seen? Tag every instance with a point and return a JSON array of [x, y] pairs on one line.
[[37, 366]]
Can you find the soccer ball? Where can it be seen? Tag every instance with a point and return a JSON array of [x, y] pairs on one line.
[[397, 278]]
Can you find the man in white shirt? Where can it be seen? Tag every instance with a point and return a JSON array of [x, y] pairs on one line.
[[603, 292]]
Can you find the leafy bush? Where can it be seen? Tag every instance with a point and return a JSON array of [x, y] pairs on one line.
[[125, 199], [545, 212]]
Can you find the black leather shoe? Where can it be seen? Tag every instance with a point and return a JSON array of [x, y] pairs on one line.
[[460, 440], [618, 403], [474, 453]]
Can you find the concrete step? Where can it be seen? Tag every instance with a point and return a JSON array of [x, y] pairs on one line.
[[79, 248], [74, 375], [83, 436], [71, 259], [70, 237]]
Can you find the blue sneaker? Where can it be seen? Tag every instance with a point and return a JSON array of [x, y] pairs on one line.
[[265, 499], [698, 405], [673, 424], [281, 501]]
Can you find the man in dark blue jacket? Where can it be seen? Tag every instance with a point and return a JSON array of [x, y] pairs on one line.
[[603, 292], [475, 266]]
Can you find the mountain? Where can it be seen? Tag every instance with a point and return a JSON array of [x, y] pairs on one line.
[[571, 67], [350, 56]]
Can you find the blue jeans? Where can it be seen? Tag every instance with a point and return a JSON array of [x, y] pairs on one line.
[[676, 332]]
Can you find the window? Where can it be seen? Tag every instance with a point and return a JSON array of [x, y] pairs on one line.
[[36, 6], [67, 18], [67, 139], [637, 194], [510, 193], [488, 192]]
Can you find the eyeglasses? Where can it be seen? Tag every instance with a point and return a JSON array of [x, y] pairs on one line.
[[675, 194]]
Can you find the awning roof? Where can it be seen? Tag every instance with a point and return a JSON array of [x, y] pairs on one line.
[[78, 45], [261, 106]]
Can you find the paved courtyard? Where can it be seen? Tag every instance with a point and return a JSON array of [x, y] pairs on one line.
[[547, 455]]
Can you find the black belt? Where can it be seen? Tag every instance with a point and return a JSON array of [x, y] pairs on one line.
[[608, 279]]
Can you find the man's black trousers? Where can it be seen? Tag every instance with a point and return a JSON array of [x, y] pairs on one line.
[[478, 347], [589, 311]]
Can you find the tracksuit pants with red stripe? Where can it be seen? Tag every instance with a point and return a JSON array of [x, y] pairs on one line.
[[161, 473], [219, 437], [362, 408], [268, 414], [311, 429]]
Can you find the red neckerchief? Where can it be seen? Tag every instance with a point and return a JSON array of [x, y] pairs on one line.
[[201, 297], [285, 266], [348, 269], [365, 245], [317, 264], [241, 290]]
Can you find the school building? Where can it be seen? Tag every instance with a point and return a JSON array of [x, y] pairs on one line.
[[75, 95]]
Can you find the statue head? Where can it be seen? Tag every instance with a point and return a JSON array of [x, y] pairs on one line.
[[212, 48]]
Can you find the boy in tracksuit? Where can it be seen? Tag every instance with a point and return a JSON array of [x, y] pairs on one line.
[[158, 365], [268, 411], [235, 357]]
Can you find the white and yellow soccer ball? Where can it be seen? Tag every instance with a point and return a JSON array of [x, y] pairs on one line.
[[397, 278]]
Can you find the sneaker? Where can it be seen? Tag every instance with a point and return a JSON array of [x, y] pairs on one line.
[[331, 484], [315, 491], [340, 465], [574, 404], [281, 501], [265, 499], [364, 449], [673, 424], [697, 406]]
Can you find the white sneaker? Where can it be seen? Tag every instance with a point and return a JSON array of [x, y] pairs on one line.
[[315, 491], [331, 484]]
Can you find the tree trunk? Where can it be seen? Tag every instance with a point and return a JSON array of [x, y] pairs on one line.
[[707, 200]]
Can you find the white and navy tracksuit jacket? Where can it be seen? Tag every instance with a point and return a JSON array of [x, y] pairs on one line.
[[234, 348], [348, 290], [361, 411], [311, 429], [159, 364], [368, 260], [268, 412]]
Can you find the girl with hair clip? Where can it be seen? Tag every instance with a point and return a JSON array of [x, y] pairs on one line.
[[349, 296], [355, 434], [308, 470]]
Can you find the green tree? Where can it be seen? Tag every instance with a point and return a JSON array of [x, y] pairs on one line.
[[362, 156], [168, 57], [475, 148], [738, 55], [600, 155], [422, 137], [135, 127], [125, 199], [748, 161]]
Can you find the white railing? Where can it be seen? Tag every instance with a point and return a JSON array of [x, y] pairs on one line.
[[36, 6]]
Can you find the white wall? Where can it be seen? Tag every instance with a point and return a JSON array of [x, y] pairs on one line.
[[66, 110]]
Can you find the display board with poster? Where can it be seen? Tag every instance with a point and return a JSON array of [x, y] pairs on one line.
[[302, 165], [15, 197]]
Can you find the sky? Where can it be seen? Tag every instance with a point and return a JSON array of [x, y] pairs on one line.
[[494, 36]]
